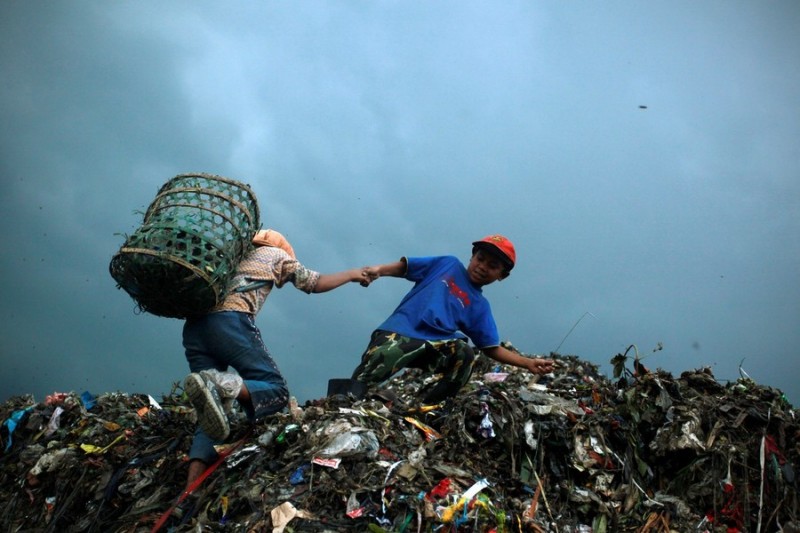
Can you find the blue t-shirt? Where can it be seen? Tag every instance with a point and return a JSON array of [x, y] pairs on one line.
[[444, 304]]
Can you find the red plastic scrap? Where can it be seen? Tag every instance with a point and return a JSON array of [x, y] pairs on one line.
[[439, 491], [355, 513], [56, 398], [770, 447], [601, 461], [732, 509], [354, 507], [387, 453]]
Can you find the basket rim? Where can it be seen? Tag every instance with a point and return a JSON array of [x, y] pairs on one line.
[[170, 257], [152, 210], [217, 177]]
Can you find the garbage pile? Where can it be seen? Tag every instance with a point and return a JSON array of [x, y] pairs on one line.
[[573, 451]]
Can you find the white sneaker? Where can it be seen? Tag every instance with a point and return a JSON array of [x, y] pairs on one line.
[[229, 384], [205, 397]]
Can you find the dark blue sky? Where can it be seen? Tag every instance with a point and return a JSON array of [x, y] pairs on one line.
[[643, 157]]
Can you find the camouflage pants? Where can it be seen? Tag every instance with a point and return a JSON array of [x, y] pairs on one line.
[[389, 352]]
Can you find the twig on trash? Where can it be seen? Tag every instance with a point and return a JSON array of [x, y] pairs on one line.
[[65, 505], [742, 372], [544, 497], [651, 500]]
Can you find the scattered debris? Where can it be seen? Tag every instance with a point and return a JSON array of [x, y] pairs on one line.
[[569, 452]]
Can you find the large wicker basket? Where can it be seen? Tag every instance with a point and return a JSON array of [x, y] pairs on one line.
[[198, 228]]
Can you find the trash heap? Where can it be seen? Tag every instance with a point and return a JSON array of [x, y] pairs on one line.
[[573, 451]]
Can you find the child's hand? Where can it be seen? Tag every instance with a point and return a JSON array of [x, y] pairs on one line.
[[540, 366], [368, 275], [365, 279]]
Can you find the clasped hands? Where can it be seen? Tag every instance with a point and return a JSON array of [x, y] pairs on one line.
[[368, 275]]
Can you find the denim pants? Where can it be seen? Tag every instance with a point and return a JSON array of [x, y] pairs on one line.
[[231, 339]]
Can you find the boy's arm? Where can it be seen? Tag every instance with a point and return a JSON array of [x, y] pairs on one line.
[[506, 356], [327, 282], [396, 269], [364, 275]]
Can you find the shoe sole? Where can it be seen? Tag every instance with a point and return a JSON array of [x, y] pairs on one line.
[[209, 415]]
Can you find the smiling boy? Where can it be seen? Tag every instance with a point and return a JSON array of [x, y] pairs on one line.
[[446, 307]]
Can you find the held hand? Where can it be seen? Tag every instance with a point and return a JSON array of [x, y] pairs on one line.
[[372, 272], [364, 278], [329, 282], [540, 366], [368, 275]]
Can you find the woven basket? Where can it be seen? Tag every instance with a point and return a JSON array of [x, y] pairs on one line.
[[179, 262]]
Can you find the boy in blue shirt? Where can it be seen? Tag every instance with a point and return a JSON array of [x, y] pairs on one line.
[[446, 306]]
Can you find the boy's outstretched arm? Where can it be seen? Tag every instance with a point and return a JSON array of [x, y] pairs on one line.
[[506, 356], [396, 269], [327, 282]]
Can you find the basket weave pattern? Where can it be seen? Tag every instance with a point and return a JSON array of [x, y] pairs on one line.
[[178, 262]]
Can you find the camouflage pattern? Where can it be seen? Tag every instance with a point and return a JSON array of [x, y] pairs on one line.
[[390, 352]]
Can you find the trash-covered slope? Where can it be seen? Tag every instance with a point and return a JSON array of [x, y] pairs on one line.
[[570, 452]]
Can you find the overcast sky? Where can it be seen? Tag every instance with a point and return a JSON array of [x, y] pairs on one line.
[[644, 157]]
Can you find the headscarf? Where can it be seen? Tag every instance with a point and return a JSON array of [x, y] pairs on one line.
[[270, 237]]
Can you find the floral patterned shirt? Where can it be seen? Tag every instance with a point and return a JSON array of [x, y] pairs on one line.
[[256, 275]]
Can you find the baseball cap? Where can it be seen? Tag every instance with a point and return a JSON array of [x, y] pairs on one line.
[[501, 246]]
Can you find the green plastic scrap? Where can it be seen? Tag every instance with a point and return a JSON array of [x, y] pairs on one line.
[[600, 524]]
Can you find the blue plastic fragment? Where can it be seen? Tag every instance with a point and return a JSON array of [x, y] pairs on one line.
[[88, 400], [13, 421]]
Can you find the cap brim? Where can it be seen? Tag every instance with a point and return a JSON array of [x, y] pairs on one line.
[[496, 252]]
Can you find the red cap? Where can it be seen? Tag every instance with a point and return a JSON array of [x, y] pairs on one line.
[[502, 245]]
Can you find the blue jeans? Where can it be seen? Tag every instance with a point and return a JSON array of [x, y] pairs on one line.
[[231, 339]]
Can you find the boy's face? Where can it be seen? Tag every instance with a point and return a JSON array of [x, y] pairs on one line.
[[485, 268]]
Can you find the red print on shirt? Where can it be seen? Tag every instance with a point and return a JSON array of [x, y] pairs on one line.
[[457, 291]]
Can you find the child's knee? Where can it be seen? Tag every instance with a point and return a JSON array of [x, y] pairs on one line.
[[464, 352]]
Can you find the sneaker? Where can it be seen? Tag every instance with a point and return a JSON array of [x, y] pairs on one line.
[[203, 393], [229, 384]]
